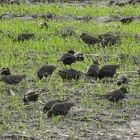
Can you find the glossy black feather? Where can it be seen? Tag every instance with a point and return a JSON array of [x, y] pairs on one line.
[[108, 71], [12, 79], [60, 109], [45, 71], [116, 95]]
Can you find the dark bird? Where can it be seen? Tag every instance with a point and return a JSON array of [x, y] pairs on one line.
[[30, 96], [116, 95], [126, 20], [25, 36], [5, 71], [43, 25], [108, 71], [108, 38], [50, 103], [60, 109], [45, 71], [122, 79], [12, 79], [93, 70], [67, 59], [88, 39], [138, 71], [69, 74], [79, 56]]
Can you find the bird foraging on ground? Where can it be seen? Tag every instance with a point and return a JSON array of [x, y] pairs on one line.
[[5, 71], [30, 96], [79, 56], [88, 39], [126, 20], [12, 79], [25, 36], [108, 71], [93, 69], [108, 39], [45, 71], [69, 74], [67, 59], [122, 79], [116, 95], [43, 25], [60, 109], [50, 103]]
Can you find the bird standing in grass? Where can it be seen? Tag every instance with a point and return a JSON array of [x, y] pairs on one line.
[[69, 74], [126, 20], [25, 36], [30, 96], [108, 71], [116, 95], [50, 103], [12, 79], [108, 39], [93, 70], [67, 59], [60, 109], [88, 39], [43, 25], [79, 56], [122, 79], [5, 71], [45, 71]]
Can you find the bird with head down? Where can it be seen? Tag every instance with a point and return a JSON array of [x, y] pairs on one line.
[[116, 95]]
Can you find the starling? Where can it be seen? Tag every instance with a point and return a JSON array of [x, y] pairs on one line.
[[93, 69], [12, 79], [60, 109], [69, 74], [108, 71], [88, 39], [122, 79], [45, 71], [30, 96], [43, 25], [50, 103], [108, 39], [25, 36], [126, 20], [79, 56], [5, 71], [116, 95], [67, 59]]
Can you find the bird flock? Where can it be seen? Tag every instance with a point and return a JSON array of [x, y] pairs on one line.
[[62, 107]]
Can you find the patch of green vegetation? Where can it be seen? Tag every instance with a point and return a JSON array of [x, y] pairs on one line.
[[67, 9]]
